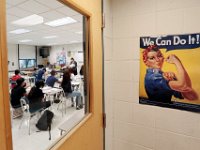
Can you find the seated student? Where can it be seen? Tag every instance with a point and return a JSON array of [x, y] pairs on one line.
[[66, 85], [40, 74], [36, 97], [14, 78], [52, 79], [16, 94]]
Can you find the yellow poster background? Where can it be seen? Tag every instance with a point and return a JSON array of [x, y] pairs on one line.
[[190, 59]]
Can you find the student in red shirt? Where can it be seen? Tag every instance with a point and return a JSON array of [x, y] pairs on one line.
[[14, 78]]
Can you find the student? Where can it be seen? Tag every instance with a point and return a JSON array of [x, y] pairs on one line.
[[52, 79], [16, 94], [73, 66], [36, 97], [161, 86], [14, 78], [40, 74], [66, 85]]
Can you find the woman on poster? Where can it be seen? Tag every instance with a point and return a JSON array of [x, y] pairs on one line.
[[161, 86]]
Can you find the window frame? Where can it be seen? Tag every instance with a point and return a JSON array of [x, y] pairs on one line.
[[5, 126]]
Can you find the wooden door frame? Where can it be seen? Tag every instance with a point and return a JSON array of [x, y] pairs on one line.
[[5, 125]]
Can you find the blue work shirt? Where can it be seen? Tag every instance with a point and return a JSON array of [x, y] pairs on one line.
[[157, 87], [40, 74], [51, 81]]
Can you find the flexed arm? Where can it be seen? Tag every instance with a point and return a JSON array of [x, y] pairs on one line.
[[182, 83]]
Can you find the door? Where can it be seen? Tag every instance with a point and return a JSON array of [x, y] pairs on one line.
[[88, 134]]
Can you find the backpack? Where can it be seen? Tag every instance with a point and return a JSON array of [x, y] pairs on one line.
[[44, 122]]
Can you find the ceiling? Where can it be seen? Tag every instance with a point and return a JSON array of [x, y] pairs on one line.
[[50, 10]]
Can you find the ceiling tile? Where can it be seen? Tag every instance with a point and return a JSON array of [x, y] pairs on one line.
[[51, 3], [50, 10], [52, 15], [67, 11], [15, 11], [34, 7], [11, 18], [74, 25], [37, 27], [8, 6], [15, 2], [11, 28], [78, 17], [49, 29], [76, 28]]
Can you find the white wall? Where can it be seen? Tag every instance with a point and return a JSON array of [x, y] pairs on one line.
[[12, 56], [25, 52], [107, 39], [132, 126]]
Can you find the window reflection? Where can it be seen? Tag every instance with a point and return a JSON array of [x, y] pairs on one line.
[[47, 70]]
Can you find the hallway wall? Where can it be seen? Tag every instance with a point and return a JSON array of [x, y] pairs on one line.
[[107, 39], [131, 126]]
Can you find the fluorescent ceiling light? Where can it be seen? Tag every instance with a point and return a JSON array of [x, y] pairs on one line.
[[50, 37], [24, 41], [52, 44], [20, 31], [73, 41], [29, 21], [79, 32], [60, 22]]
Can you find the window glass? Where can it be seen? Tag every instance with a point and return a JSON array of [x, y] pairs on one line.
[[48, 91]]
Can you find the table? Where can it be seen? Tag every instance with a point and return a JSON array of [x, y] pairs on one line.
[[48, 91], [29, 73], [51, 90]]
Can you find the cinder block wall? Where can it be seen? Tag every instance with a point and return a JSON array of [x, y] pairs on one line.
[[131, 126]]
